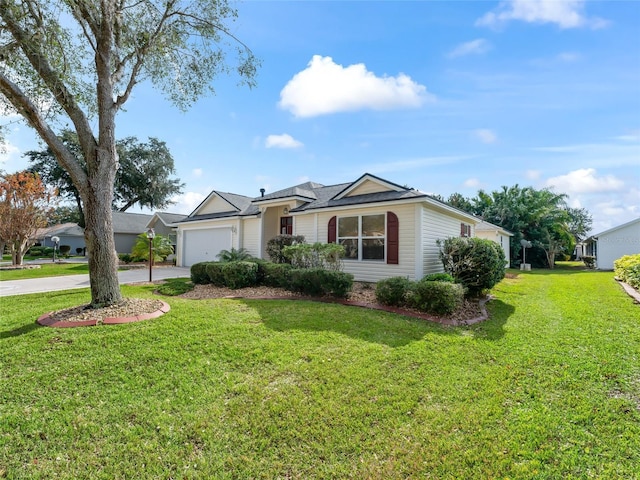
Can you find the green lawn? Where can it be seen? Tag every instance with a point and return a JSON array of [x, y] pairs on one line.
[[45, 270], [548, 388]]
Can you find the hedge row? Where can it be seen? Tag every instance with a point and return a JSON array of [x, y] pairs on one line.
[[435, 294], [627, 269], [240, 274]]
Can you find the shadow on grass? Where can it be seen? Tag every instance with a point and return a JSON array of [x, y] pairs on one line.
[[493, 327], [23, 330], [358, 323]]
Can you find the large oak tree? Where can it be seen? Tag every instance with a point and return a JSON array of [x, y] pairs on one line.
[[78, 61]]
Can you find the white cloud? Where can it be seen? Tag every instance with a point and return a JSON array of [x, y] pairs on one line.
[[8, 152], [476, 47], [584, 180], [196, 172], [186, 202], [325, 87], [632, 136], [533, 174], [485, 135], [472, 183], [564, 13], [282, 141]]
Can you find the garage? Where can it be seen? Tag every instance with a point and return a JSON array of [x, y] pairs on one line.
[[204, 245]]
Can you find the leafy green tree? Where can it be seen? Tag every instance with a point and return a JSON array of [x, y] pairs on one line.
[[78, 62], [63, 214], [161, 248], [143, 175]]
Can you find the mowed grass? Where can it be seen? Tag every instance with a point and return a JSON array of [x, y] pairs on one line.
[[45, 270], [549, 387]]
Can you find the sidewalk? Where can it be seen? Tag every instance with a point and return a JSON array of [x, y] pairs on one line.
[[51, 284]]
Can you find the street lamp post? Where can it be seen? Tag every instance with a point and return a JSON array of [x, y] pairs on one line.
[[150, 234], [55, 241]]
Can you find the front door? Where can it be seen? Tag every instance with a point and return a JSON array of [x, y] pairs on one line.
[[286, 225]]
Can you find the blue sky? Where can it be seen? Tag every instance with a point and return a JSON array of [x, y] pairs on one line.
[[442, 96]]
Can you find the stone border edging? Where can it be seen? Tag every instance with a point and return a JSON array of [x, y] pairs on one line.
[[46, 321], [407, 313], [632, 292]]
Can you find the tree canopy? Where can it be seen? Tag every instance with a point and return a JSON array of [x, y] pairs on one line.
[[142, 178], [24, 202], [539, 216], [78, 62]]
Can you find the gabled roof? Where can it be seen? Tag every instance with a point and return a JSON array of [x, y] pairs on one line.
[[124, 222], [305, 190], [66, 229], [485, 226], [367, 189], [167, 218], [611, 230], [382, 185]]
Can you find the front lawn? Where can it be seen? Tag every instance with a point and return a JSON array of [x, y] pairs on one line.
[[45, 270], [549, 387]]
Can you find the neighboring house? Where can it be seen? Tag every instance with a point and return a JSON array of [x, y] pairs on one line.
[[387, 230], [614, 243], [126, 228], [498, 234], [161, 221], [68, 233]]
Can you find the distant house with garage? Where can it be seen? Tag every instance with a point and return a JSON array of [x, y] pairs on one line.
[[614, 243], [387, 229]]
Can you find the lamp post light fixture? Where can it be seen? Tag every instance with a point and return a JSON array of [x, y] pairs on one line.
[[55, 241], [150, 234]]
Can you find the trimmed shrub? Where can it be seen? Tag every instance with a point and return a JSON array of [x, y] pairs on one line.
[[589, 261], [214, 273], [125, 257], [627, 269], [439, 298], [476, 263], [438, 277], [79, 250], [65, 249], [277, 244], [239, 274], [274, 274], [393, 291], [319, 282], [319, 255], [199, 273]]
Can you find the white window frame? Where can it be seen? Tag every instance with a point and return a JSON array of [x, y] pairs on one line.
[[360, 237]]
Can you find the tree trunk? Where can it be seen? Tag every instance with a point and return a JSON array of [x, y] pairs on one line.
[[101, 250]]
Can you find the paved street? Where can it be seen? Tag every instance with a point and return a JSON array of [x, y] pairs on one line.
[[49, 284]]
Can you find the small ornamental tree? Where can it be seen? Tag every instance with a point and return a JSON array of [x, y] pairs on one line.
[[276, 246], [476, 263], [161, 246], [24, 202]]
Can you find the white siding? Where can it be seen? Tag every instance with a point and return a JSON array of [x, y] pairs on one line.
[[251, 236], [495, 236], [306, 225], [436, 226], [617, 243], [215, 205], [372, 271], [368, 187]]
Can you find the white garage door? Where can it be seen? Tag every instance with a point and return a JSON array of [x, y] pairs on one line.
[[204, 245]]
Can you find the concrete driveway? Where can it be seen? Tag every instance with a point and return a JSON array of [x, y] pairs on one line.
[[67, 282]]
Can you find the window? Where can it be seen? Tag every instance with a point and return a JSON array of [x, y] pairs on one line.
[[465, 230], [362, 236], [286, 225]]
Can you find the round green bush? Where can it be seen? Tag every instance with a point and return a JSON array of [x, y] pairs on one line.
[[476, 263], [439, 277], [393, 291], [439, 298], [199, 273], [240, 274]]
